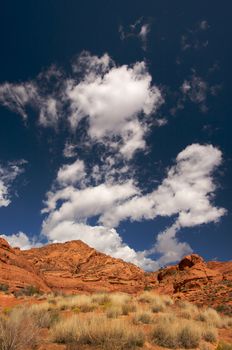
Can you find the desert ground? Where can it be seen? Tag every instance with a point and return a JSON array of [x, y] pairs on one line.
[[110, 321]]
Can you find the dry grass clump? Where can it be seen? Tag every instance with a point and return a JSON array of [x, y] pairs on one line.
[[18, 331], [114, 312], [224, 346], [185, 334], [187, 310], [101, 299], [127, 308], [210, 334], [148, 297], [97, 331], [157, 307], [83, 303], [210, 316], [227, 321], [42, 314], [158, 303], [120, 298], [143, 317]]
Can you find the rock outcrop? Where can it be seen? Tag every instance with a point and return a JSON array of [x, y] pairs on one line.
[[16, 272], [195, 280], [69, 267], [74, 267]]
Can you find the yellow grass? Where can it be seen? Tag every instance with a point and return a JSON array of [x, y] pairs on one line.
[[117, 321], [210, 316], [18, 331], [181, 334], [98, 331], [143, 317]]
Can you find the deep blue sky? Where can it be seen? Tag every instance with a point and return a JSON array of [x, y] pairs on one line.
[[35, 35]]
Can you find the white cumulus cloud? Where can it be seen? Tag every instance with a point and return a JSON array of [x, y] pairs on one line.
[[70, 174], [186, 193], [20, 240]]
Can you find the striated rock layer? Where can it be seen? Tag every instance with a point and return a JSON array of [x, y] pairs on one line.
[[197, 281], [74, 267]]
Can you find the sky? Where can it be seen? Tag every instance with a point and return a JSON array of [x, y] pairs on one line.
[[116, 127]]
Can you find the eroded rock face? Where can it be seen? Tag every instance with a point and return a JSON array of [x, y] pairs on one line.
[[197, 281], [16, 271], [74, 267], [69, 267], [189, 261]]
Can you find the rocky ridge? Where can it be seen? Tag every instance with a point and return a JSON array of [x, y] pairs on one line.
[[74, 267]]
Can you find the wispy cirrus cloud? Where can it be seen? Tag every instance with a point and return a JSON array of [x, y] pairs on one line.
[[140, 30], [195, 38], [8, 174]]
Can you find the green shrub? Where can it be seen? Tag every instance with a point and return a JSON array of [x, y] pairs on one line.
[[4, 287], [27, 291]]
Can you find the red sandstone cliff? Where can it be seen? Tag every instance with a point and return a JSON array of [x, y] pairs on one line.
[[73, 267]]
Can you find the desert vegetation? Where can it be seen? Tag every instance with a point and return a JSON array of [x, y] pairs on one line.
[[113, 321]]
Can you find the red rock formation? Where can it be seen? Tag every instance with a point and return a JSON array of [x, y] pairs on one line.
[[197, 281], [73, 266], [15, 270], [68, 267]]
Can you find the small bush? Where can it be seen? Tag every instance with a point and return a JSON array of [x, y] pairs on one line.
[[164, 337], [210, 335], [4, 287], [120, 298], [227, 322], [146, 297], [18, 331], [143, 317], [84, 308], [188, 337], [185, 314], [176, 334], [225, 309], [151, 298], [39, 314], [127, 308], [210, 316], [157, 307], [27, 291], [101, 299], [82, 302], [113, 312], [148, 288]]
